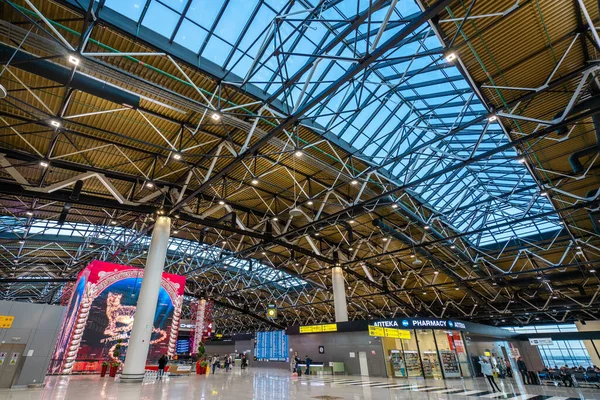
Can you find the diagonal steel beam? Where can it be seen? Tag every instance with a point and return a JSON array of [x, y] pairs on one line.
[[352, 72]]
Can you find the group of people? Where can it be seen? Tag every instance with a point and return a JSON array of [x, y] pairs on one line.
[[502, 368], [296, 361], [566, 373], [228, 362]]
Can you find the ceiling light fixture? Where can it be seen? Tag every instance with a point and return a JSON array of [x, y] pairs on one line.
[[450, 56], [149, 185], [74, 60], [216, 116], [221, 202], [493, 118], [275, 219], [113, 222], [521, 160], [55, 123], [453, 247], [254, 181], [543, 193], [175, 232], [299, 153], [29, 213], [44, 164], [427, 227], [394, 205], [177, 156], [354, 182], [310, 202]]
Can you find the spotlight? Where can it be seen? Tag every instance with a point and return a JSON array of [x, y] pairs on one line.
[[543, 193], [224, 242], [451, 56], [427, 227], [44, 164], [317, 234], [149, 185], [412, 256], [352, 221], [29, 213], [299, 153], [113, 222], [492, 118], [394, 205], [310, 202], [177, 156], [55, 123], [216, 116], [521, 160], [74, 60], [384, 239], [456, 288], [424, 292], [177, 216], [354, 182], [221, 202], [254, 181], [453, 247], [263, 253], [275, 219], [21, 242], [352, 249], [175, 232]]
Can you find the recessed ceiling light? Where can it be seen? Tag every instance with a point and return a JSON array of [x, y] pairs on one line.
[[378, 263], [310, 202], [456, 288], [352, 248], [543, 193], [492, 118], [592, 270], [424, 292], [29, 213], [177, 156], [149, 185], [436, 272], [453, 247], [451, 56], [254, 181], [317, 234], [44, 164], [299, 153], [521, 160], [221, 202], [113, 222], [21, 242], [354, 182], [224, 242], [384, 239], [175, 232], [352, 221], [394, 205], [427, 227], [263, 253], [412, 256], [55, 123], [216, 116], [74, 60]]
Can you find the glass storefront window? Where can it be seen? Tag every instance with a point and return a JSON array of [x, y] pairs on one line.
[[402, 357], [448, 354], [429, 354], [412, 361]]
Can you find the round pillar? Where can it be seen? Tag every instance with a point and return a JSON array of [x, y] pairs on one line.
[[339, 294]]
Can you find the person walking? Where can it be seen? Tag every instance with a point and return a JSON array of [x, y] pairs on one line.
[[523, 370], [308, 361], [486, 369], [215, 363], [226, 362], [162, 363]]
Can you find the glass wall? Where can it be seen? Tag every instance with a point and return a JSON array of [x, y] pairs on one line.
[[429, 354], [565, 352], [448, 343]]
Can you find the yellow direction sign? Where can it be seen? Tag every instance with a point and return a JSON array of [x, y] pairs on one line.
[[388, 332], [318, 328], [6, 321]]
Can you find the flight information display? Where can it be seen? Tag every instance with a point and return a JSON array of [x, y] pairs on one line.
[[183, 346], [272, 346]]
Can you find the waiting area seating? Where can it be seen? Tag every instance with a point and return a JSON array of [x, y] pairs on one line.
[[577, 376]]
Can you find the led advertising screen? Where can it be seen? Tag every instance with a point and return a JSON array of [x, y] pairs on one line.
[[101, 312], [271, 346]]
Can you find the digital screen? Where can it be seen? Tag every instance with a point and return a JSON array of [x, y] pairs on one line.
[[272, 346], [183, 346]]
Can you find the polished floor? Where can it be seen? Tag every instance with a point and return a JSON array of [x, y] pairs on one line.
[[273, 384]]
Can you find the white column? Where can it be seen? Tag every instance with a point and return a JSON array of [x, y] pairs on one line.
[[139, 341], [339, 294]]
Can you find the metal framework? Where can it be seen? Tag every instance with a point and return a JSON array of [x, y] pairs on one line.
[[449, 174]]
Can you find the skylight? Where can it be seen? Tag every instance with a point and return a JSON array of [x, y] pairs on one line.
[[200, 252], [409, 102]]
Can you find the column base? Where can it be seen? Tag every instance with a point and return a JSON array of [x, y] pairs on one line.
[[132, 378]]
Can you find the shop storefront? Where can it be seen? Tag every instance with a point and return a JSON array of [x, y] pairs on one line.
[[426, 348]]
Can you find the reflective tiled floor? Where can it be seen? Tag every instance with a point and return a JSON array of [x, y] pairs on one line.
[[272, 384]]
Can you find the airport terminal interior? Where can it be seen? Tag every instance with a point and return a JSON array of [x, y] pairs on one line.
[[300, 199]]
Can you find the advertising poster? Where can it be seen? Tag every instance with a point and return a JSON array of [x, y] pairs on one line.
[[101, 312]]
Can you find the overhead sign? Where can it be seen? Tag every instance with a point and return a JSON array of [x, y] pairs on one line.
[[416, 323], [318, 328], [6, 321], [389, 332], [540, 341]]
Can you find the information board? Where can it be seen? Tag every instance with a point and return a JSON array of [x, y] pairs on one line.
[[272, 346], [389, 332], [318, 328], [183, 346]]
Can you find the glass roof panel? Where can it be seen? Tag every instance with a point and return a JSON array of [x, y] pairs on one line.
[[405, 113]]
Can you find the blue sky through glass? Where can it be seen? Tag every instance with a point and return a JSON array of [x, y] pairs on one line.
[[400, 114]]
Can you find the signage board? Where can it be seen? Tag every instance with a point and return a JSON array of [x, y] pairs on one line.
[[419, 323], [6, 321], [389, 332], [540, 341], [318, 328]]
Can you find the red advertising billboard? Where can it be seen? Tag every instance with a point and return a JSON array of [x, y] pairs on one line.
[[101, 312]]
